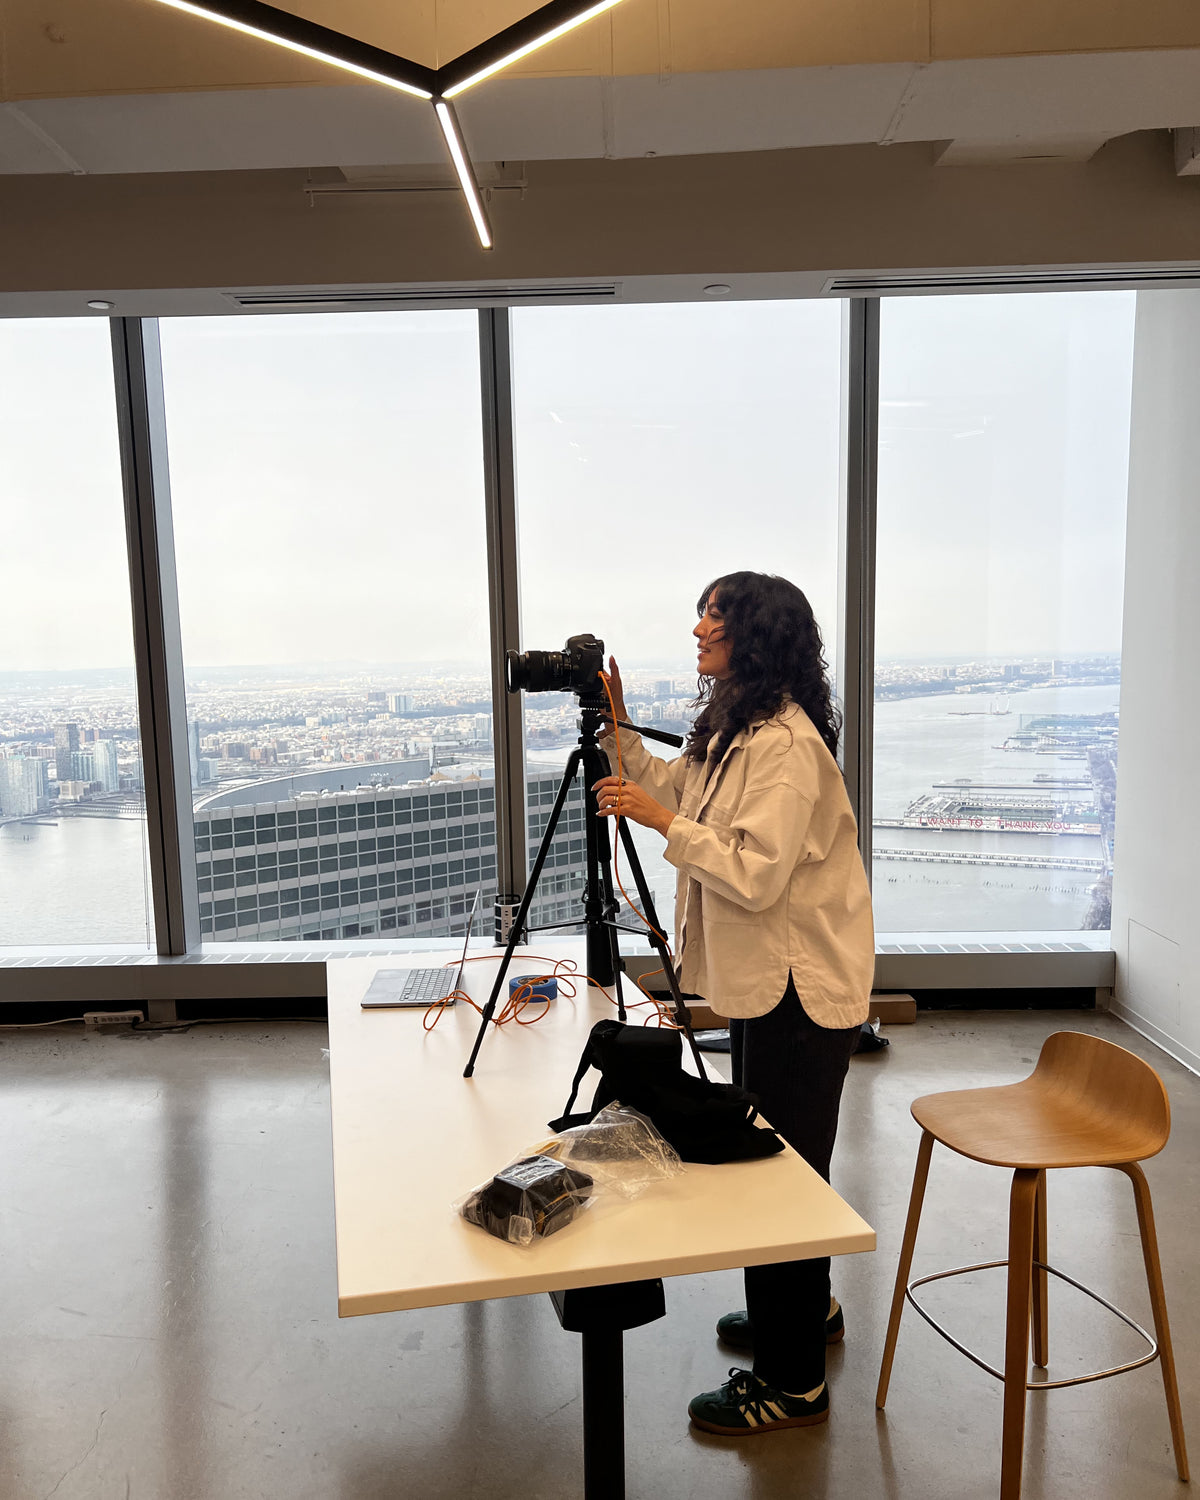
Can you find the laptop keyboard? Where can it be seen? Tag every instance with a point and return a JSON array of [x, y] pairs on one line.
[[429, 984]]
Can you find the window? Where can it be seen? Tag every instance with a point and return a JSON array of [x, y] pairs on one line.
[[1003, 458], [73, 862], [326, 476], [327, 483], [657, 448]]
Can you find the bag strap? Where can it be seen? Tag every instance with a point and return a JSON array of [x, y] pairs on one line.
[[585, 1063]]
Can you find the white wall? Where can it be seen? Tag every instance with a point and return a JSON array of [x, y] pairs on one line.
[[1156, 890]]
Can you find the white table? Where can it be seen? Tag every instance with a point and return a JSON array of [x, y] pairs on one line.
[[410, 1135]]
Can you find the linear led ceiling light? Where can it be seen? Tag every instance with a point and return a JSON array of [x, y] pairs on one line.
[[519, 40], [466, 173], [270, 24]]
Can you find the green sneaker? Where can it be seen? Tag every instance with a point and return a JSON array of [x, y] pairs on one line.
[[734, 1328], [746, 1406]]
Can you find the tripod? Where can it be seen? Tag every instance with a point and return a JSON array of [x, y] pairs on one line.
[[600, 905]]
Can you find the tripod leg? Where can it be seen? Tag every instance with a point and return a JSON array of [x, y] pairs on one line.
[[659, 943], [518, 926]]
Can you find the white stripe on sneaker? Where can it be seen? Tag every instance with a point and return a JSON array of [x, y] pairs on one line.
[[808, 1396]]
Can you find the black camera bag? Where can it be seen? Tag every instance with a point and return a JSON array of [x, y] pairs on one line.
[[642, 1067]]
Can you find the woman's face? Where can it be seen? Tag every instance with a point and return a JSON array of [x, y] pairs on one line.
[[712, 657]]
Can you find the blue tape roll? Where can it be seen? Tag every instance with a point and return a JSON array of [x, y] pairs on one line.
[[544, 989]]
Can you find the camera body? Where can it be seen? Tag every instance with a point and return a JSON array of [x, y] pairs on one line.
[[574, 669]]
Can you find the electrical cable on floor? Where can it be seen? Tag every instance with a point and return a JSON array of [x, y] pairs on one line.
[[168, 1026], [33, 1025], [157, 1025]]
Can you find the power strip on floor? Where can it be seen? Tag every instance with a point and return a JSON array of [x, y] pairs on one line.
[[112, 1017]]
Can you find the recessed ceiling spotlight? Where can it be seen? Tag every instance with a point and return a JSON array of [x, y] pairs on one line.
[[718, 289], [99, 305]]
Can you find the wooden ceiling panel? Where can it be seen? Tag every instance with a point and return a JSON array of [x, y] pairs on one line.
[[62, 48], [709, 36], [1008, 28]]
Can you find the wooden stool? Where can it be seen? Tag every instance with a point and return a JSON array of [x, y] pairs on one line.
[[1087, 1103]]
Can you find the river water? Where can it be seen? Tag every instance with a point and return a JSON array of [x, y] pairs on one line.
[[83, 880], [919, 741], [74, 880]]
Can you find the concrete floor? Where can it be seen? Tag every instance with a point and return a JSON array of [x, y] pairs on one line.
[[168, 1326]]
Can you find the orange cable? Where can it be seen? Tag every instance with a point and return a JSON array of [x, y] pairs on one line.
[[564, 971]]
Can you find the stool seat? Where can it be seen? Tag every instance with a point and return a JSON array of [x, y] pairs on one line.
[[1029, 1125], [1087, 1103]]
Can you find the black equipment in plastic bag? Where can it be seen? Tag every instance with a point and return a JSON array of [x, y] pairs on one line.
[[529, 1199], [641, 1067]]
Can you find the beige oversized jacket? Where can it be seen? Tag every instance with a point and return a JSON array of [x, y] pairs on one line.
[[770, 877]]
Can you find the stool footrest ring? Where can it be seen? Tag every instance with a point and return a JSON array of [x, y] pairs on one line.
[[1032, 1385]]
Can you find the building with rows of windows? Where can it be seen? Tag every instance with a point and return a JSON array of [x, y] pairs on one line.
[[373, 862]]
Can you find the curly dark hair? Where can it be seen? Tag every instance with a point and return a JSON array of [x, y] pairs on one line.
[[776, 652]]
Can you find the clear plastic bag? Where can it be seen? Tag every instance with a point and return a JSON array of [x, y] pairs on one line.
[[621, 1149], [618, 1156]]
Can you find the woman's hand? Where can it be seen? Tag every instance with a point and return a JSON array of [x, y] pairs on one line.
[[613, 678], [625, 799]]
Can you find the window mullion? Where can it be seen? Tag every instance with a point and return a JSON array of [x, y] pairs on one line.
[[500, 502], [158, 652], [856, 645]]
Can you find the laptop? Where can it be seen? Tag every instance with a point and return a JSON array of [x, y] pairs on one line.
[[395, 988]]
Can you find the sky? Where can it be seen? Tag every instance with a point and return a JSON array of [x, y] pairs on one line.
[[326, 478]]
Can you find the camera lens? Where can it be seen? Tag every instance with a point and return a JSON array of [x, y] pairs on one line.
[[573, 669], [536, 671]]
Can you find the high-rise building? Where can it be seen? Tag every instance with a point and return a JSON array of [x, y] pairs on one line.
[[194, 750], [66, 744], [373, 861], [664, 689], [104, 765], [81, 767], [41, 779], [18, 787], [399, 703]]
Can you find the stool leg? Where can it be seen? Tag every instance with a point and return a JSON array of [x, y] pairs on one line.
[[1041, 1281], [1158, 1302], [1021, 1214], [920, 1177]]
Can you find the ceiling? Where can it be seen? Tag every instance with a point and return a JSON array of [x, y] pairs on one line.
[[94, 87]]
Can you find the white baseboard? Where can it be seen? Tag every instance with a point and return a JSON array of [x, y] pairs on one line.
[[1169, 1044]]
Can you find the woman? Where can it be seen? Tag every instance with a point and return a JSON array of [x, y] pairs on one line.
[[772, 926]]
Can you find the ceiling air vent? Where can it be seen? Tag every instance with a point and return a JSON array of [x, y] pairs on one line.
[[383, 298], [1111, 279]]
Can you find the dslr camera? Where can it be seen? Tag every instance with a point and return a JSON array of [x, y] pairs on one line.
[[574, 669]]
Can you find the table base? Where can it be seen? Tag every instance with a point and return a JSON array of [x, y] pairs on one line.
[[602, 1314]]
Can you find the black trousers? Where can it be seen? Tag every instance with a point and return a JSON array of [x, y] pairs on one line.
[[797, 1069]]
